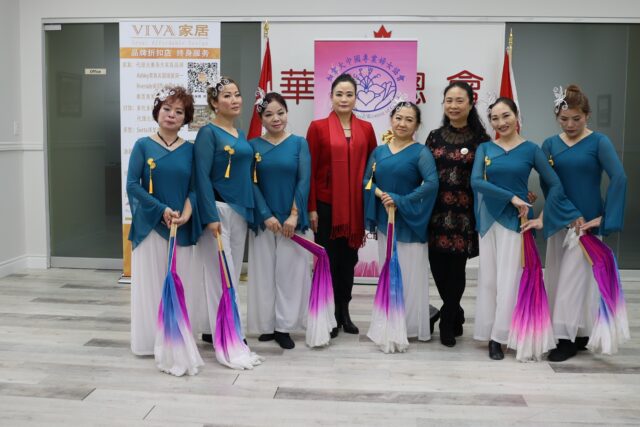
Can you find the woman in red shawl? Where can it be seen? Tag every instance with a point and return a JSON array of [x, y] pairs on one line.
[[340, 146]]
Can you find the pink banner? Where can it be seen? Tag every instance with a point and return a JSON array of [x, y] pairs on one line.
[[384, 69]]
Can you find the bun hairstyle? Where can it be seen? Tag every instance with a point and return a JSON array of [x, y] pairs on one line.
[[506, 101], [213, 91], [576, 99], [268, 99], [407, 104]]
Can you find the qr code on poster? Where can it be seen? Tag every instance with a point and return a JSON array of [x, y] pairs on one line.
[[200, 74]]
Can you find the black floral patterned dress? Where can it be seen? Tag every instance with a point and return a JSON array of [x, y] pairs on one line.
[[452, 228]]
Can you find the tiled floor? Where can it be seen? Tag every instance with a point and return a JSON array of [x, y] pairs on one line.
[[65, 360]]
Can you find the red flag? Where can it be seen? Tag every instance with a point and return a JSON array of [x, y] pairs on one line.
[[266, 84], [508, 85], [506, 89]]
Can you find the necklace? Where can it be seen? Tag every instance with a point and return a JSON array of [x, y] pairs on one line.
[[165, 142]]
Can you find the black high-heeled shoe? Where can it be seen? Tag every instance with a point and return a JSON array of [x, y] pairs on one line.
[[347, 325]]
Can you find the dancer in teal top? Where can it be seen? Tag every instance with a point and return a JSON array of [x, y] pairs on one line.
[[279, 269], [579, 156], [579, 167], [402, 173], [223, 165], [499, 175], [223, 172], [286, 173], [409, 178], [170, 173], [499, 179], [159, 189]]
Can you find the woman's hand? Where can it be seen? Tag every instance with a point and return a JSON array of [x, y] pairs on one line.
[[215, 228], [535, 223], [586, 226], [532, 197], [387, 201], [273, 225], [521, 205], [313, 221], [289, 226], [168, 216], [182, 219]]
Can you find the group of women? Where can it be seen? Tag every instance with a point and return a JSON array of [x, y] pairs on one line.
[[459, 195]]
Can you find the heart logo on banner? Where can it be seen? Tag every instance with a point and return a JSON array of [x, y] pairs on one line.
[[366, 96]]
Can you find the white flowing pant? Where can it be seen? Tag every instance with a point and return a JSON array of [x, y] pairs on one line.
[[572, 289], [414, 263], [499, 276], [205, 295], [279, 284], [148, 271]]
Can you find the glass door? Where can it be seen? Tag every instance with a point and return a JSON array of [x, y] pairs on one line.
[[83, 145]]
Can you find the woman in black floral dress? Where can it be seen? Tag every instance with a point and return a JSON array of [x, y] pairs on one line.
[[452, 229]]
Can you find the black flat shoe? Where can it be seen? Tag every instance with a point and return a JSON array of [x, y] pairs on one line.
[[207, 338], [267, 337], [565, 350], [334, 332], [495, 350], [581, 343], [284, 340], [448, 341], [434, 316]]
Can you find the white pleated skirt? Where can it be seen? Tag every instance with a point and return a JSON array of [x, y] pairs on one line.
[[571, 288], [279, 284], [148, 271], [203, 297], [414, 263], [499, 273]]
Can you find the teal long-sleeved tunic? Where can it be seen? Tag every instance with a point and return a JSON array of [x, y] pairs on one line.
[[211, 163], [283, 174], [580, 167], [172, 184], [498, 175], [410, 178]]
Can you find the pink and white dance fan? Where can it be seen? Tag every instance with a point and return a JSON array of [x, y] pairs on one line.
[[175, 349], [531, 333], [611, 326], [388, 327], [321, 318], [230, 347]]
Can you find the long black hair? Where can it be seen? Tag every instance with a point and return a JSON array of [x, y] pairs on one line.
[[473, 121]]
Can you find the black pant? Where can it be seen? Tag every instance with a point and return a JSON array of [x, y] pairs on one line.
[[449, 274], [342, 258]]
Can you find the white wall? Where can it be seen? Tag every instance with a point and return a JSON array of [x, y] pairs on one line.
[[22, 177], [12, 211]]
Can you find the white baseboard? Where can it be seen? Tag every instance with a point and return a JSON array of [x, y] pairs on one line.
[[22, 263], [37, 261]]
